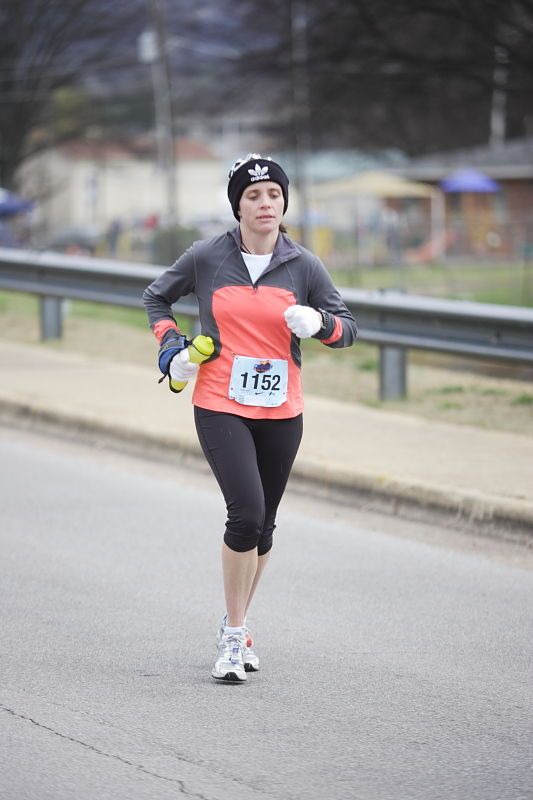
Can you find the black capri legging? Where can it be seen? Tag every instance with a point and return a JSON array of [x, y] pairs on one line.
[[251, 460]]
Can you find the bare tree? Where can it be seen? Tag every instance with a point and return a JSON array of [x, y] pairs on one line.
[[415, 74], [48, 44], [418, 75]]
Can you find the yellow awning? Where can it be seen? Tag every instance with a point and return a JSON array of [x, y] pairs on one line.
[[375, 183]]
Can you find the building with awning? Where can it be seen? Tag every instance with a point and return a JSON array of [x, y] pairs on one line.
[[488, 196], [355, 198]]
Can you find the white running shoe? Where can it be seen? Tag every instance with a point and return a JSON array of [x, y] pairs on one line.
[[229, 665], [251, 661]]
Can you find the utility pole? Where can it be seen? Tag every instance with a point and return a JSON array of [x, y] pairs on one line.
[[499, 97], [301, 111], [153, 50]]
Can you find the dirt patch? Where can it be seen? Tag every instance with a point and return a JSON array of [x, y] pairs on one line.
[[434, 393]]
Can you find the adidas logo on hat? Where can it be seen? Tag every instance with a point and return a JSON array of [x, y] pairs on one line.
[[259, 173]]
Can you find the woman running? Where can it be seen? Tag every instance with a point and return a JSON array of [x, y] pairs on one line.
[[259, 293]]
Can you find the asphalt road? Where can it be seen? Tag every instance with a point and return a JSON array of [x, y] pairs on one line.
[[392, 666]]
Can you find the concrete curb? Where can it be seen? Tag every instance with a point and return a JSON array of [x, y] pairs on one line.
[[469, 511]]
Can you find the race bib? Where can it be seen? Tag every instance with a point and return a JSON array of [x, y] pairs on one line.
[[259, 381]]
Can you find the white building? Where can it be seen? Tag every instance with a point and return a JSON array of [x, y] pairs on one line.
[[86, 185]]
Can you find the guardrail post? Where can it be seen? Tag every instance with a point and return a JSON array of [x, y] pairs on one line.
[[392, 373], [51, 317]]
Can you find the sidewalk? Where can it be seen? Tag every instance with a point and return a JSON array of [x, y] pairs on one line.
[[472, 476]]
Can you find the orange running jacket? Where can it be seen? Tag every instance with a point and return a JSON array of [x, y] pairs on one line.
[[245, 318]]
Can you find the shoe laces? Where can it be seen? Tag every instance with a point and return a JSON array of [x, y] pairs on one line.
[[231, 648], [248, 638]]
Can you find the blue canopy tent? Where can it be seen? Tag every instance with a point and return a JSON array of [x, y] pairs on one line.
[[473, 205], [469, 180], [11, 204]]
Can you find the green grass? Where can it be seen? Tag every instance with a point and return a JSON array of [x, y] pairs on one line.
[[361, 357], [510, 284], [524, 399], [28, 305], [134, 317], [448, 390], [368, 365], [18, 303], [490, 392]]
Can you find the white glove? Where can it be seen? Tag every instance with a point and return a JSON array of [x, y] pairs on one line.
[[303, 321], [181, 370]]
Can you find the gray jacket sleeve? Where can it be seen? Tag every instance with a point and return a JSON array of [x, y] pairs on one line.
[[324, 295], [176, 282]]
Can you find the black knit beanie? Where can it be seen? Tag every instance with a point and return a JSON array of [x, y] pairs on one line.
[[251, 169]]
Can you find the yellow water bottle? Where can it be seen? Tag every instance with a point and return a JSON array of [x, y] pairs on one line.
[[200, 349]]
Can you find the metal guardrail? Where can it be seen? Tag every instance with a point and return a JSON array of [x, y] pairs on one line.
[[393, 321]]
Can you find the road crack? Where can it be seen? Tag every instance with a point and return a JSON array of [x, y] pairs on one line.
[[180, 783]]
